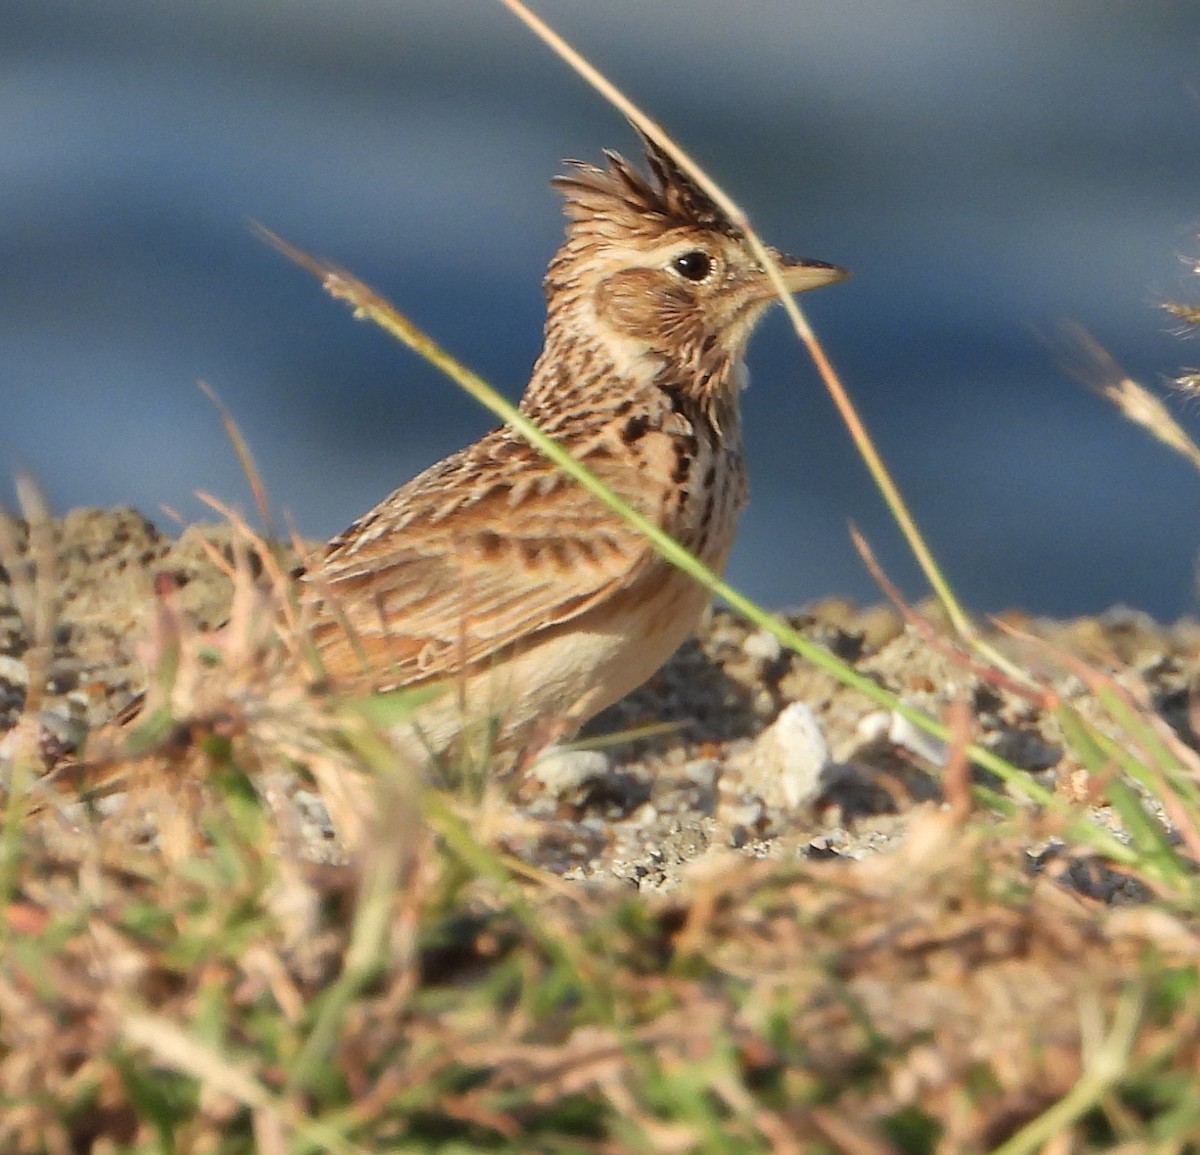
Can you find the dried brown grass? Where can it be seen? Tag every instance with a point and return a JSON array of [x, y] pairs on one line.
[[180, 973]]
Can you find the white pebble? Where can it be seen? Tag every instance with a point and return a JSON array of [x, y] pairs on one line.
[[762, 646], [12, 671], [895, 728], [565, 771], [784, 765]]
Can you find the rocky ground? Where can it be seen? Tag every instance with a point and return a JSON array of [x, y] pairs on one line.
[[763, 752]]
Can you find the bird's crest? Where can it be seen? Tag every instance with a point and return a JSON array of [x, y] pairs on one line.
[[620, 198]]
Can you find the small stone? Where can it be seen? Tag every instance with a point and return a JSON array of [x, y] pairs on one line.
[[13, 671], [784, 766], [762, 646], [702, 771], [894, 728], [564, 772], [60, 728], [644, 815]]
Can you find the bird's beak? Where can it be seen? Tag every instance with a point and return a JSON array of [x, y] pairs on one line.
[[800, 274]]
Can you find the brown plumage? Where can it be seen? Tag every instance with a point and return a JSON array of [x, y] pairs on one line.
[[494, 573]]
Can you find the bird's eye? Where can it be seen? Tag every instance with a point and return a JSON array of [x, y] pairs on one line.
[[694, 265]]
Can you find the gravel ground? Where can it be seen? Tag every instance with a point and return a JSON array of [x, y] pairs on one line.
[[765, 753]]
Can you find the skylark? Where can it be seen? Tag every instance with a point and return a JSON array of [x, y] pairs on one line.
[[494, 574]]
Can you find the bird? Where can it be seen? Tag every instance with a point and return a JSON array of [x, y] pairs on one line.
[[493, 575]]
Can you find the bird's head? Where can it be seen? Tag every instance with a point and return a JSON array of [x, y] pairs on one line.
[[655, 271]]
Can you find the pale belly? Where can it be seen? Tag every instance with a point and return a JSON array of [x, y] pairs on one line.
[[562, 677]]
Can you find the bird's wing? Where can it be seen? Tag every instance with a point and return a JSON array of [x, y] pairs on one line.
[[480, 551]]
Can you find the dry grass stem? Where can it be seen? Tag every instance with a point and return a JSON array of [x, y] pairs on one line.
[[1092, 364]]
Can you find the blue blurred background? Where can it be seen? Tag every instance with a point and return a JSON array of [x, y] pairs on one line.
[[987, 171]]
